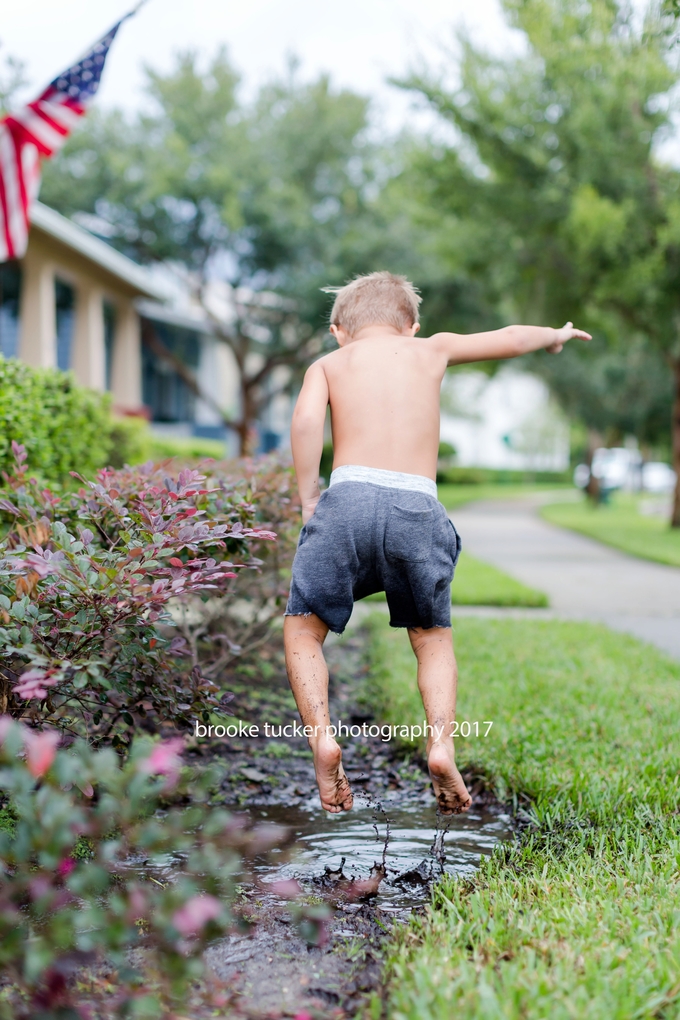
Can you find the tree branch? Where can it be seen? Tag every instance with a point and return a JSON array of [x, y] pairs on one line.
[[156, 345]]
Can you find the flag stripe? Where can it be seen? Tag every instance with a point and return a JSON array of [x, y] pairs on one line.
[[39, 130], [13, 207], [6, 247], [62, 115]]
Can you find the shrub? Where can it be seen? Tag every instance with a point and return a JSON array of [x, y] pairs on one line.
[[184, 448], [220, 630], [133, 442], [86, 639], [129, 441], [483, 476], [63, 426], [74, 891]]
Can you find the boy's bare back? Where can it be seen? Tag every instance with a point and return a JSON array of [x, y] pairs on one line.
[[383, 386], [383, 392]]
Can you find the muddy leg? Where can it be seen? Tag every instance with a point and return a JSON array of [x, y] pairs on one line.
[[437, 680], [303, 638]]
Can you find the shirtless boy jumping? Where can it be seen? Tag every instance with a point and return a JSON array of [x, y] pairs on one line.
[[379, 526]]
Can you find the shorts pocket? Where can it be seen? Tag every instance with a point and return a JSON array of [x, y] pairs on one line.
[[408, 535], [456, 544]]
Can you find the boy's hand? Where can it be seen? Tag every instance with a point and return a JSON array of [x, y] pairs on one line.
[[308, 509], [566, 333]]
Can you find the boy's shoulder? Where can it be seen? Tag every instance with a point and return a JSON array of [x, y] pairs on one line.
[[324, 360]]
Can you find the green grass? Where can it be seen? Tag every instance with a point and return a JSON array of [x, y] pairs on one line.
[[580, 917], [161, 447], [453, 496], [622, 525], [479, 584]]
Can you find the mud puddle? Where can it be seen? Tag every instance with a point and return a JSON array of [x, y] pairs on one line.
[[391, 857], [368, 869], [406, 841]]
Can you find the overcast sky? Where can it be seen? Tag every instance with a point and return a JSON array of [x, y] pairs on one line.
[[360, 42]]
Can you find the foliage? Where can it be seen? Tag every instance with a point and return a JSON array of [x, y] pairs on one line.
[[12, 79], [86, 579], [574, 215], [272, 198], [129, 441], [63, 426], [453, 496], [219, 630], [577, 916], [498, 476], [133, 442], [622, 525], [62, 911]]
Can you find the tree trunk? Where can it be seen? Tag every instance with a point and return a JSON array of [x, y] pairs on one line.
[[247, 425], [593, 486], [675, 440]]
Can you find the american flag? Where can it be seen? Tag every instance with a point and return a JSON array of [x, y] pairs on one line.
[[36, 132]]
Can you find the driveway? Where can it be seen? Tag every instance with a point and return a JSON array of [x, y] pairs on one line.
[[583, 579]]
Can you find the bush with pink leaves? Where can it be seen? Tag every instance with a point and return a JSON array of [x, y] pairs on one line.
[[158, 884], [226, 629], [87, 643]]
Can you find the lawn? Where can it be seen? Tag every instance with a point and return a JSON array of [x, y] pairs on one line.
[[479, 584], [580, 917], [453, 496], [622, 525]]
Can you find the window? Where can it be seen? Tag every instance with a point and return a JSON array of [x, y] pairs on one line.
[[10, 285], [164, 391], [109, 339], [65, 302]]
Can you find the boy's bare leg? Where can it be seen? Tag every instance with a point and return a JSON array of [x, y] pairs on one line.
[[437, 680], [303, 638]]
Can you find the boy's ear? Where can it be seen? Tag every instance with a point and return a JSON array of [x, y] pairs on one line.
[[414, 328], [339, 334]]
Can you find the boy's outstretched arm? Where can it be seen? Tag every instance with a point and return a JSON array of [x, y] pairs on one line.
[[306, 436], [509, 342]]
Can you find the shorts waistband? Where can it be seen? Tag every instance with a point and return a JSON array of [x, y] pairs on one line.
[[387, 479]]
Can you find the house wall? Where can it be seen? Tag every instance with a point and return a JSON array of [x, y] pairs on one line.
[[506, 421], [47, 260]]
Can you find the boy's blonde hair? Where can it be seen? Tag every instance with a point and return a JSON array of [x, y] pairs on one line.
[[378, 299]]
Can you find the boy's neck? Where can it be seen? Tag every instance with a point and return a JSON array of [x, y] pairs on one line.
[[377, 332]]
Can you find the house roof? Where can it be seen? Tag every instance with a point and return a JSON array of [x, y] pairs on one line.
[[52, 223]]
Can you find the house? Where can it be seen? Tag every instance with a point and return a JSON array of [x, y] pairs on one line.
[[75, 303], [507, 421]]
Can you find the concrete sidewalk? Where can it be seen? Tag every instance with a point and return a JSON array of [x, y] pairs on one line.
[[583, 579]]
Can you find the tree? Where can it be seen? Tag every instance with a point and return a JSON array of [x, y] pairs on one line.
[[269, 197], [573, 212], [12, 79]]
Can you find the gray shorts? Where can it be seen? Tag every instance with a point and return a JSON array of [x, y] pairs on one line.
[[364, 538]]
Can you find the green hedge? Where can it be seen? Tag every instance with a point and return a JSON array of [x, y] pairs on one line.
[[486, 476], [63, 426], [133, 442]]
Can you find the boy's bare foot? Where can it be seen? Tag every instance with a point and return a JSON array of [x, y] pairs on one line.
[[449, 789], [334, 789]]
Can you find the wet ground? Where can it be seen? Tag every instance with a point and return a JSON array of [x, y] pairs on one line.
[[365, 870]]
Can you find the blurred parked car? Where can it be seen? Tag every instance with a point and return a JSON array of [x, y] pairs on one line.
[[657, 477]]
